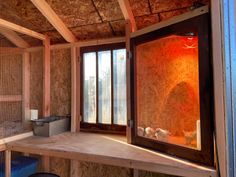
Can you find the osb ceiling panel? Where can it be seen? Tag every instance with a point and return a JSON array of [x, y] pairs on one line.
[[140, 7], [168, 5], [31, 41], [147, 20], [109, 10], [118, 27], [5, 43], [94, 31], [24, 13], [75, 12]]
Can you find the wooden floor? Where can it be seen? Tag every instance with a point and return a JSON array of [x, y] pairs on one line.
[[108, 149]]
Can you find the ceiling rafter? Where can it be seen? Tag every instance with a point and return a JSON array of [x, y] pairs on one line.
[[14, 38], [54, 19], [21, 29], [127, 12]]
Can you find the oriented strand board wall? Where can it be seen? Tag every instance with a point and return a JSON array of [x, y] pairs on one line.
[[167, 84], [61, 82], [11, 74], [36, 81], [10, 84]]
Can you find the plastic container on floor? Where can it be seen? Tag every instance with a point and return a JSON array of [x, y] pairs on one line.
[[21, 166]]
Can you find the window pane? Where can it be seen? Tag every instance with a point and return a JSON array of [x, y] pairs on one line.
[[119, 86], [168, 102], [90, 87], [104, 87]]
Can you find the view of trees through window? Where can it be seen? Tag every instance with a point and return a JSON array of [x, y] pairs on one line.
[[104, 87]]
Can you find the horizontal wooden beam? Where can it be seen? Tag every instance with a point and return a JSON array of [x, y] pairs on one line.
[[10, 50], [127, 13], [53, 18], [10, 98], [81, 44], [14, 38], [21, 29]]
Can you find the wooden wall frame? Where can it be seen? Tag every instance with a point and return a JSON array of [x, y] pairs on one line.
[[205, 155]]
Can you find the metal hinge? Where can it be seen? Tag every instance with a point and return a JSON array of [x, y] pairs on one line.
[[130, 123], [129, 54]]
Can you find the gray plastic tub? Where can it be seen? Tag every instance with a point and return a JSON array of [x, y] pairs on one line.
[[50, 126]]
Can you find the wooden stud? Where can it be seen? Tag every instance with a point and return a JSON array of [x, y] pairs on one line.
[[219, 86], [14, 38], [75, 90], [46, 163], [127, 12], [10, 98], [7, 163], [26, 87], [53, 18], [11, 50], [127, 40], [15, 138], [46, 78], [20, 29]]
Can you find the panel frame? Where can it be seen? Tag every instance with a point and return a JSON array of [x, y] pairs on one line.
[[206, 154]]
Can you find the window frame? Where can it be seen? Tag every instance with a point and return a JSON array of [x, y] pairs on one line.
[[99, 127], [206, 154]]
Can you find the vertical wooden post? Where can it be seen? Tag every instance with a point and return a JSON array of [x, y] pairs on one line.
[[46, 92], [75, 101], [46, 78], [127, 42], [7, 163], [26, 87], [46, 163], [75, 90], [219, 100]]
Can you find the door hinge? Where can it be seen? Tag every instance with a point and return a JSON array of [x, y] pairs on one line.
[[129, 54], [130, 123]]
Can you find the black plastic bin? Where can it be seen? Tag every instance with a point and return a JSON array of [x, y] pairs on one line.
[[44, 175]]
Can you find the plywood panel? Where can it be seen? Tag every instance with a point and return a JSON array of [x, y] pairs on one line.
[[36, 81], [118, 27], [140, 7], [101, 30], [11, 75], [109, 10], [61, 82], [151, 174], [146, 20], [60, 167], [88, 169], [167, 84], [76, 12]]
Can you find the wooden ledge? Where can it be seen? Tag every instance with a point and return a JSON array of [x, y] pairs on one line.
[[110, 150]]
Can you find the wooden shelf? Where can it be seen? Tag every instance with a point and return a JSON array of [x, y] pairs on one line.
[[108, 149]]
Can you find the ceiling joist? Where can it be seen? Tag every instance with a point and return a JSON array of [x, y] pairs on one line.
[[14, 38], [53, 18], [20, 29], [127, 12]]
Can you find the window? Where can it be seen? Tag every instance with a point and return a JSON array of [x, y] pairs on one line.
[[104, 88]]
